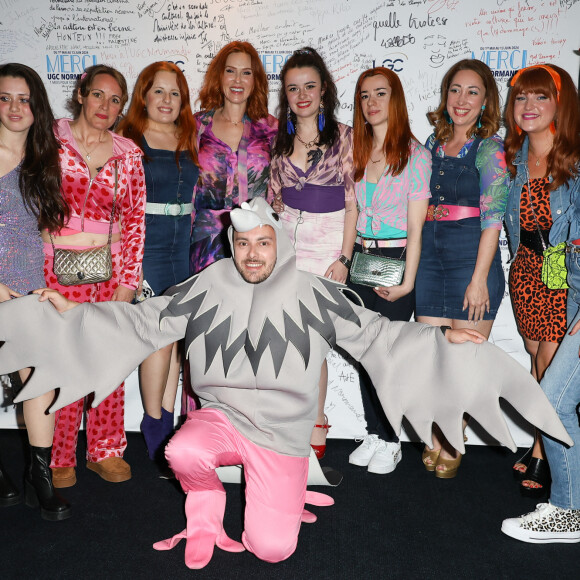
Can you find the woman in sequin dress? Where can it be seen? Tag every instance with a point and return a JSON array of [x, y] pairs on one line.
[[235, 134], [29, 198]]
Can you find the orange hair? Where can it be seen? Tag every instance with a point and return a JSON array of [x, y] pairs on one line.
[[564, 157], [134, 124], [211, 96], [397, 144]]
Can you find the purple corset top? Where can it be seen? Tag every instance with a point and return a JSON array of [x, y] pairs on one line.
[[314, 198]]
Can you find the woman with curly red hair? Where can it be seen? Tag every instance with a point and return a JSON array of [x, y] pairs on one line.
[[161, 123], [235, 133], [541, 155]]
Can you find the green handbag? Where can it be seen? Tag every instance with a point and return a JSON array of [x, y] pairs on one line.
[[372, 270], [554, 270]]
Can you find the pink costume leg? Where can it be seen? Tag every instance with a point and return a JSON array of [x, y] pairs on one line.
[[206, 441], [106, 422], [275, 496]]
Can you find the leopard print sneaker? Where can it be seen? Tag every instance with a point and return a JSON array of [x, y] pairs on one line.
[[548, 524]]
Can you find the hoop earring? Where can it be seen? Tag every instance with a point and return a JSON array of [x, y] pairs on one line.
[[289, 124], [448, 117], [478, 124], [321, 119]]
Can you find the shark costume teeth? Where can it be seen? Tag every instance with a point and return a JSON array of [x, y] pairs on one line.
[[255, 352], [269, 332]]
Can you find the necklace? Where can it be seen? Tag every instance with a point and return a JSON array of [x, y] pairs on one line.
[[373, 161], [89, 153], [538, 159], [234, 123], [308, 144]]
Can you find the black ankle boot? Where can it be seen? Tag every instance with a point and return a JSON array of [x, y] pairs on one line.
[[39, 489], [9, 494]]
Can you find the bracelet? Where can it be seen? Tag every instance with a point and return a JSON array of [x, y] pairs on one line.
[[444, 329], [344, 260]]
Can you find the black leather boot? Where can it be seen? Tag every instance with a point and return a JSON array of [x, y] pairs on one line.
[[39, 489], [9, 493]]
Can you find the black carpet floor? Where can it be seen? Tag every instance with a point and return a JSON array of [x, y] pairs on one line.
[[404, 525]]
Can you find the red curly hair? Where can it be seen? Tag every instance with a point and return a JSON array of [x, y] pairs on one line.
[[134, 124], [211, 95], [564, 158], [397, 145]]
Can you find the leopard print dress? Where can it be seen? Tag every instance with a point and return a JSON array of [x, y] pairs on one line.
[[540, 312]]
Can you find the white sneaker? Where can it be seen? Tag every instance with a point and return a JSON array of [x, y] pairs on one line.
[[385, 458], [548, 524], [363, 453]]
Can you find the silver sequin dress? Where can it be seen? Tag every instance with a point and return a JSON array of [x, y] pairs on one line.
[[21, 255]]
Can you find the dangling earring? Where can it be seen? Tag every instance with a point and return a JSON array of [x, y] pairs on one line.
[[478, 124], [448, 117], [321, 119], [553, 127], [289, 124]]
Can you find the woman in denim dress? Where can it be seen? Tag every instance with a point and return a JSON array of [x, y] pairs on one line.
[[161, 122], [460, 281]]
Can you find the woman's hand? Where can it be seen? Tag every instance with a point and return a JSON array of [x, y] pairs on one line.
[[277, 204], [337, 271], [460, 335], [476, 299], [123, 294], [60, 302], [392, 293], [6, 293]]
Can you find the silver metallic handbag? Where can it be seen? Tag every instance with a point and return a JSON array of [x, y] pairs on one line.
[[89, 266], [373, 270]]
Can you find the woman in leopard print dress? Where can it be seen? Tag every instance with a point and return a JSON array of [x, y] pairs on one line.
[[538, 197], [532, 102]]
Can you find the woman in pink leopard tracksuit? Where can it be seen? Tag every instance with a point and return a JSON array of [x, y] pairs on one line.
[[90, 157]]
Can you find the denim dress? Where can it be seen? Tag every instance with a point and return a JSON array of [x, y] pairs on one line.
[[166, 258], [449, 248]]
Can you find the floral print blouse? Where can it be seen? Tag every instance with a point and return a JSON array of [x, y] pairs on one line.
[[493, 174]]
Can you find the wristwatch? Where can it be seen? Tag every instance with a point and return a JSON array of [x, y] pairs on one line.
[[344, 260]]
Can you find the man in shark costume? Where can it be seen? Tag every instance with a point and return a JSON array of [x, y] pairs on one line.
[[256, 332]]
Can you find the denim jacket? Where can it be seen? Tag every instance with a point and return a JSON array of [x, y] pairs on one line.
[[560, 203]]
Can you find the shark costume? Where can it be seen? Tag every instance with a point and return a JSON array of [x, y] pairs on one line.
[[255, 352]]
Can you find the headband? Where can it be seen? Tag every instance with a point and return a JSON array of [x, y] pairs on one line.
[[555, 77]]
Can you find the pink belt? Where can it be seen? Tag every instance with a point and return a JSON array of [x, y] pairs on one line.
[[451, 212], [374, 243]]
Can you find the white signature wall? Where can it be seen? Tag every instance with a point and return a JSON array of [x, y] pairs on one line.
[[418, 39]]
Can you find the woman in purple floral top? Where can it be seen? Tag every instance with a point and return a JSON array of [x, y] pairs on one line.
[[460, 281], [235, 133], [313, 183]]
